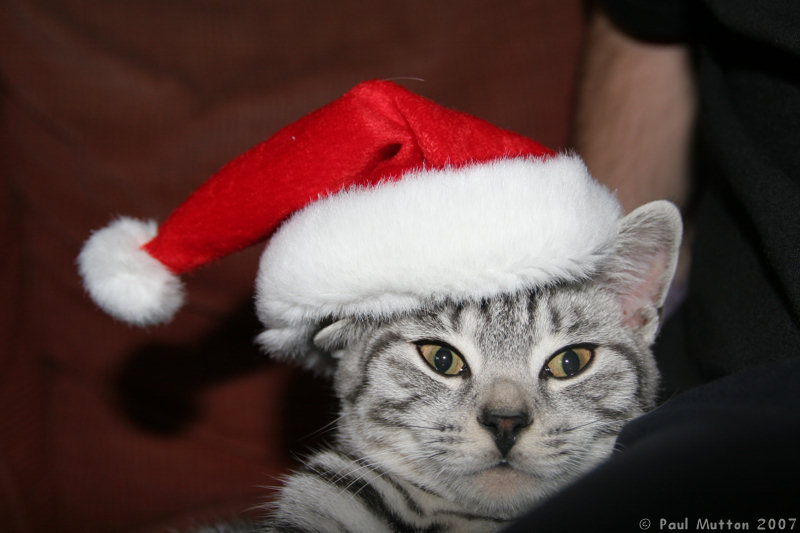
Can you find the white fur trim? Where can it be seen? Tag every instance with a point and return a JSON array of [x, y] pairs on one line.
[[126, 281], [464, 233]]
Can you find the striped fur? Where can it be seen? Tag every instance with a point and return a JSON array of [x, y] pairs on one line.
[[413, 452]]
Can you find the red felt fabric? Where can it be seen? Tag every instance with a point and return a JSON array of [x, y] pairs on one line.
[[378, 130], [117, 107]]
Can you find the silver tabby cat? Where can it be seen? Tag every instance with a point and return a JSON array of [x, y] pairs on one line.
[[464, 415]]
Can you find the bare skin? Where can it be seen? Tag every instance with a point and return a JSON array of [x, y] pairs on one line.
[[634, 118]]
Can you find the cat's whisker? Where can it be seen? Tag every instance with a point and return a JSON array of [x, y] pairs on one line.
[[360, 473], [575, 465], [368, 466], [330, 426], [379, 475], [357, 473], [580, 426], [618, 421], [427, 428]]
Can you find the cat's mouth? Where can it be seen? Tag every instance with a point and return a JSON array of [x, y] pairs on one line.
[[502, 478], [502, 467]]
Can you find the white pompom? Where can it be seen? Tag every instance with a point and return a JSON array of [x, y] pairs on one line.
[[126, 281]]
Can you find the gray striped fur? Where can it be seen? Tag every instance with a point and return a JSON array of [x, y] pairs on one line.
[[411, 452]]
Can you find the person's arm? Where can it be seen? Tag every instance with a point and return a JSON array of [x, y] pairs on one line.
[[634, 115]]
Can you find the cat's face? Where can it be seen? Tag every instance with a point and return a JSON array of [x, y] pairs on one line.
[[494, 405], [491, 406]]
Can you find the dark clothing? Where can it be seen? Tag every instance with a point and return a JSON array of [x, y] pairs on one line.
[[743, 303], [729, 448]]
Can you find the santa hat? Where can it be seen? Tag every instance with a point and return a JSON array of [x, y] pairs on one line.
[[376, 204]]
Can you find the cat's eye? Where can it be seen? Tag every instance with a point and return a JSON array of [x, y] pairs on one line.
[[442, 358], [569, 362]]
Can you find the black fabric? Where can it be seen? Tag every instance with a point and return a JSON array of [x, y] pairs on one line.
[[655, 20], [728, 448], [744, 294]]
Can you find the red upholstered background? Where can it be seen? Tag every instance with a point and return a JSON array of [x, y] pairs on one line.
[[116, 107]]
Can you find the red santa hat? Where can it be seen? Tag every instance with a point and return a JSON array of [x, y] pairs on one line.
[[375, 204]]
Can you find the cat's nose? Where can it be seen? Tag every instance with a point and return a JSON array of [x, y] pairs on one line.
[[504, 427]]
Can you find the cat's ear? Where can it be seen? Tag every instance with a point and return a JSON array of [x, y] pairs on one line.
[[641, 267], [336, 336]]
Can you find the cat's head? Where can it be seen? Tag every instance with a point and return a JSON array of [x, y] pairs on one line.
[[493, 404]]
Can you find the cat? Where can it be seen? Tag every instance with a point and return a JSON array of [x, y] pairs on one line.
[[463, 415]]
